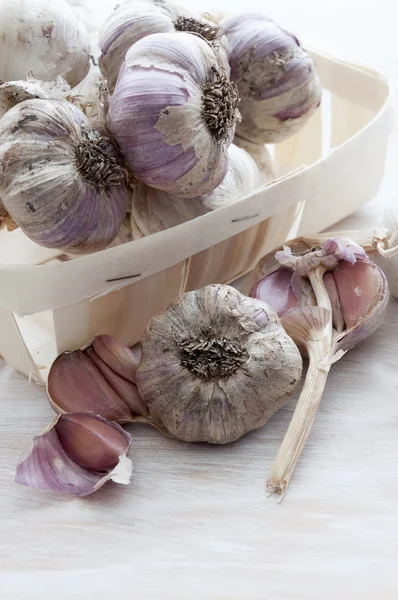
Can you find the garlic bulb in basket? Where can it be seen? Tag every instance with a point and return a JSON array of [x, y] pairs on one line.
[[276, 78], [155, 210], [42, 39], [216, 365], [173, 114], [61, 181], [136, 20]]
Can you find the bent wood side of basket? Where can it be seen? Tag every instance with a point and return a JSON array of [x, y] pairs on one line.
[[118, 290]]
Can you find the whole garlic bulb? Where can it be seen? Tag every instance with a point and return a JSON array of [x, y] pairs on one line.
[[216, 365], [135, 20], [42, 39], [61, 181], [173, 114], [14, 92], [276, 78], [155, 210]]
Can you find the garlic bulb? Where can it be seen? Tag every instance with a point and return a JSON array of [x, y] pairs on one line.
[[42, 39], [14, 92], [62, 183], [276, 79], [216, 365], [136, 20], [173, 114], [261, 156], [154, 210], [329, 296], [77, 454]]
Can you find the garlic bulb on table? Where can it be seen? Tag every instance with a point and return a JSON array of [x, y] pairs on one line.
[[135, 20], [173, 114], [155, 210], [216, 365], [42, 39], [61, 181], [276, 78]]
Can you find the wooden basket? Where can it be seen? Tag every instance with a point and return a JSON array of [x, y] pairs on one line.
[[334, 165]]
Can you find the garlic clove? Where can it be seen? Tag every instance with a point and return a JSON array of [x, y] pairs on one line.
[[119, 357], [276, 290], [126, 390], [94, 441], [76, 385]]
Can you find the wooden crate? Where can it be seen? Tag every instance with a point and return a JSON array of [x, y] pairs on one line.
[[333, 166]]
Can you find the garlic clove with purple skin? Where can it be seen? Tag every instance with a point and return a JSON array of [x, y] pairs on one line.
[[126, 390], [173, 114], [76, 385], [62, 182], [216, 365], [119, 357], [276, 79], [135, 20], [77, 454], [351, 295]]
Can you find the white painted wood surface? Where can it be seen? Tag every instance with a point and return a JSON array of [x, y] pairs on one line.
[[195, 522]]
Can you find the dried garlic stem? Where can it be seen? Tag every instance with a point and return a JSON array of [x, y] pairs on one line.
[[318, 340]]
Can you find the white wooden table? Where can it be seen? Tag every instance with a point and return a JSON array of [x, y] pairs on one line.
[[196, 522]]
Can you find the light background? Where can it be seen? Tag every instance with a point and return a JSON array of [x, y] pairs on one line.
[[195, 522]]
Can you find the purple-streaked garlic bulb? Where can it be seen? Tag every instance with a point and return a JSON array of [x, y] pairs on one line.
[[76, 455], [330, 297], [276, 78], [133, 21], [61, 181], [154, 210], [216, 365], [42, 39], [173, 114]]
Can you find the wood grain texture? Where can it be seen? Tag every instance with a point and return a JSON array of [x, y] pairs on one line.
[[196, 523]]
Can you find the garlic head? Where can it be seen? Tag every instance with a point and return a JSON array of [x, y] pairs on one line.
[[276, 78], [173, 114], [216, 365], [42, 39], [154, 210], [62, 182]]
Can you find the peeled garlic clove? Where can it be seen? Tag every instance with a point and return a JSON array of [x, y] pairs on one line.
[[216, 365], [126, 390], [62, 182], [76, 385], [276, 78], [119, 357], [42, 37], [92, 442], [133, 21], [155, 210], [173, 114], [76, 455]]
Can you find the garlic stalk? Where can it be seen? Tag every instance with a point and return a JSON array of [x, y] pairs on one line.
[[173, 114], [42, 39], [216, 365], [77, 454], [14, 92], [329, 298], [133, 21], [276, 79], [62, 182], [153, 210], [261, 156], [100, 379]]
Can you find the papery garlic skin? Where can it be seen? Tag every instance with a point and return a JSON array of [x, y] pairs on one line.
[[276, 78], [62, 182], [133, 21], [42, 39], [173, 114], [76, 455], [14, 92], [261, 156], [155, 210], [216, 365]]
